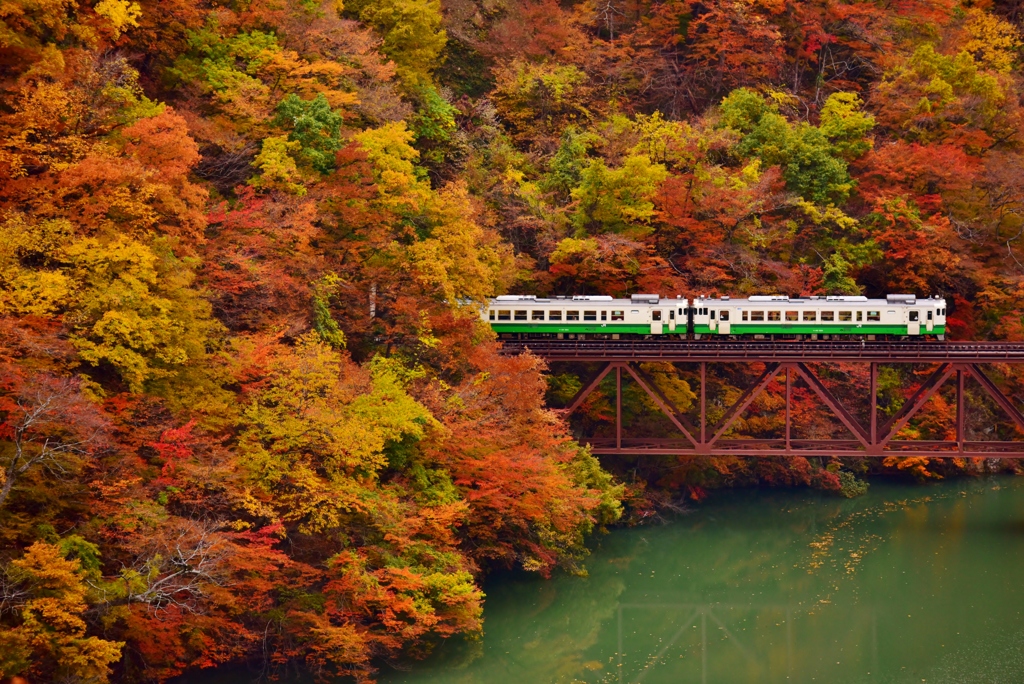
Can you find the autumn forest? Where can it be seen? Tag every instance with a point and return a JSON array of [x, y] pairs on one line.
[[249, 414]]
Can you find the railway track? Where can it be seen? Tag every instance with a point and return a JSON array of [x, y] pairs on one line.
[[747, 351]]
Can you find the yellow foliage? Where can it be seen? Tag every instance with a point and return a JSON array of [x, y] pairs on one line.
[[574, 249], [135, 310], [994, 43], [25, 291], [393, 157], [277, 167], [460, 259], [321, 427], [52, 632], [121, 14]]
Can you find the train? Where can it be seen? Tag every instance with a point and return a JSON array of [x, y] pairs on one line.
[[768, 317]]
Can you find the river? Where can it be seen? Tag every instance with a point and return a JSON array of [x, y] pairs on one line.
[[905, 584]]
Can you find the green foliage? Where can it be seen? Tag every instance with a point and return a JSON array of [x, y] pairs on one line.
[[617, 200], [562, 388], [851, 487], [229, 66], [569, 161], [587, 473], [845, 124], [434, 124], [813, 159], [835, 278], [323, 322], [314, 126]]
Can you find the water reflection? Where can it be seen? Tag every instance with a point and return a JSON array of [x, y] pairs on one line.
[[705, 635], [904, 585]]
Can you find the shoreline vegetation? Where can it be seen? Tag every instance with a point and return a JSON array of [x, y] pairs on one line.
[[249, 415]]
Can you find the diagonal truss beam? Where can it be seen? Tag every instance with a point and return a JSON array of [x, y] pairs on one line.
[[997, 395], [830, 400], [586, 391], [921, 397], [659, 398], [886, 427], [770, 371]]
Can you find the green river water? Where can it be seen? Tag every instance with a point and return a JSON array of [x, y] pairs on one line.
[[906, 584]]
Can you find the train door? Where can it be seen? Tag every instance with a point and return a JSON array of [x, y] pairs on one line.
[[712, 323], [672, 320], [929, 315], [724, 324], [914, 323], [656, 322]]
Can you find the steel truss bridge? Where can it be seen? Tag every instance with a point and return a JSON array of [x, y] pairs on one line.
[[955, 362]]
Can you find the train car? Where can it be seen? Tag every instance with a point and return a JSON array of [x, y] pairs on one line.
[[768, 317], [587, 317]]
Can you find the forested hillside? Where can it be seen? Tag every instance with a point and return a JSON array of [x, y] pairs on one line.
[[248, 412]]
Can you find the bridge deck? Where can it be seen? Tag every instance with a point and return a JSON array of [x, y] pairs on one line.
[[744, 351]]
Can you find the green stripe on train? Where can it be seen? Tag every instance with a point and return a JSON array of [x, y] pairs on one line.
[[580, 328], [736, 329]]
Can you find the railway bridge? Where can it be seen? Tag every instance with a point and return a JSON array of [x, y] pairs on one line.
[[961, 369]]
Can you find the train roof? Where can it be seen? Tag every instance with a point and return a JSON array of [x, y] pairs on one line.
[[890, 300], [634, 300], [658, 300]]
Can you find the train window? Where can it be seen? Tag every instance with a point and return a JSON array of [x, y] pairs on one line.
[[943, 311], [554, 315], [604, 315], [680, 312], [504, 315], [828, 315], [712, 315], [672, 315], [520, 315], [572, 315], [744, 315], [537, 316], [655, 315], [913, 316], [757, 315], [860, 316], [810, 315], [618, 315], [929, 315], [874, 316], [492, 314], [846, 316], [774, 315], [792, 315], [590, 315]]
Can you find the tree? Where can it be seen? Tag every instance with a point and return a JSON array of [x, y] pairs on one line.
[[617, 200], [49, 638], [412, 31], [47, 425]]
